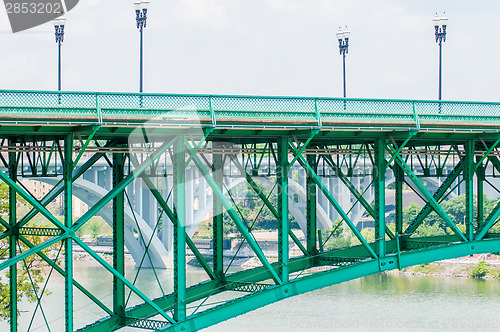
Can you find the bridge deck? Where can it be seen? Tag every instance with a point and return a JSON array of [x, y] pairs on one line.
[[243, 115]]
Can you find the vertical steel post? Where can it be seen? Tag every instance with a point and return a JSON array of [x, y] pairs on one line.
[[59, 68], [469, 189], [68, 222], [343, 62], [283, 222], [13, 237], [440, 66], [311, 201], [399, 179], [179, 164], [379, 181], [218, 216], [119, 238], [140, 60], [480, 175]]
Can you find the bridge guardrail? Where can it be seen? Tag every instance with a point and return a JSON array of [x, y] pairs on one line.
[[98, 106]]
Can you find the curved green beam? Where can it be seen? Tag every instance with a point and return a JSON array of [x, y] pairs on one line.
[[324, 279]]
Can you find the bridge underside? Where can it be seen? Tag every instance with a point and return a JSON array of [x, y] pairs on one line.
[[453, 149]]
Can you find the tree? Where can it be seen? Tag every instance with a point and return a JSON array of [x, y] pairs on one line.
[[479, 270], [29, 270]]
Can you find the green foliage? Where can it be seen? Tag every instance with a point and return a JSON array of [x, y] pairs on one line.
[[427, 268], [479, 270], [94, 228], [335, 237], [410, 212], [29, 275]]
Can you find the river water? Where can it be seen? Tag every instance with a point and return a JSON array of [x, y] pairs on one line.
[[375, 303]]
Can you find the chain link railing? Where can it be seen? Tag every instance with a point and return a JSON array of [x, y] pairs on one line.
[[93, 106]]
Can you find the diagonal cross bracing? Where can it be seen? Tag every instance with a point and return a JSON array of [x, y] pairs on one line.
[[432, 201], [332, 200]]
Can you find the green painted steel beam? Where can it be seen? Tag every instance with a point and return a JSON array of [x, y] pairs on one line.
[[68, 222], [173, 218], [103, 263], [424, 212], [325, 279], [31, 200], [13, 308], [179, 162], [311, 206], [489, 222], [56, 267], [34, 250], [119, 238], [283, 221], [121, 186], [398, 199], [469, 170], [59, 188], [85, 145], [335, 204], [432, 201], [199, 292], [486, 154], [218, 217], [265, 200], [353, 190], [239, 224], [480, 178], [379, 182]]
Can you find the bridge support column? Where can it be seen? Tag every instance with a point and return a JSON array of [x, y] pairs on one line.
[[13, 237], [68, 221], [311, 206], [398, 198], [469, 189], [179, 161], [480, 176], [218, 216], [118, 238], [379, 181], [283, 222]]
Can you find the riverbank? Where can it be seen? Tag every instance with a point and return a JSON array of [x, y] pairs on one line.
[[462, 267]]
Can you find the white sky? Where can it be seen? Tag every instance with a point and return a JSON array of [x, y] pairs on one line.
[[264, 47]]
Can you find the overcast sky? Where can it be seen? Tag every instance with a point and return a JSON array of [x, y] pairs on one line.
[[264, 47]]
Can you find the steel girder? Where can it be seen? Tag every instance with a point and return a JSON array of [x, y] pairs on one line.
[[273, 281]]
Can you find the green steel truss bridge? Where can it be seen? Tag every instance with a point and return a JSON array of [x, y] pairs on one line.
[[63, 134]]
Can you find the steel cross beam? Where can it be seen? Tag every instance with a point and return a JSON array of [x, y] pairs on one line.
[[171, 215], [353, 190], [332, 201], [424, 212], [239, 224], [122, 185], [68, 222], [218, 216], [12, 166], [265, 200], [379, 180], [179, 163], [283, 222], [432, 201], [59, 188]]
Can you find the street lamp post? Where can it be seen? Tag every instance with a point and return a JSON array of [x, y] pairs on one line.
[[440, 25], [343, 38], [59, 33], [141, 9]]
